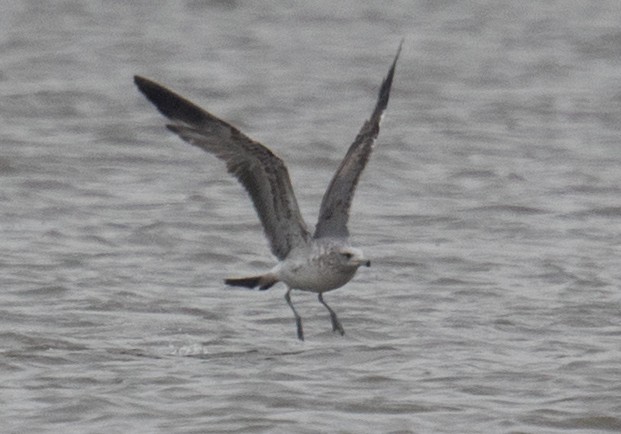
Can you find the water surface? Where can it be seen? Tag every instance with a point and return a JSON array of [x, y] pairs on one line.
[[491, 211]]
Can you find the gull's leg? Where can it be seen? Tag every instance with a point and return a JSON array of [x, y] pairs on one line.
[[298, 318], [336, 324]]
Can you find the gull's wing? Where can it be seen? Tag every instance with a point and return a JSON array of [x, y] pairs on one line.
[[263, 174], [334, 211]]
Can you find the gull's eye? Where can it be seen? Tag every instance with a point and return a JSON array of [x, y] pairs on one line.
[[347, 255]]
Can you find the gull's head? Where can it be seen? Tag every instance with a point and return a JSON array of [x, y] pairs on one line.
[[352, 257]]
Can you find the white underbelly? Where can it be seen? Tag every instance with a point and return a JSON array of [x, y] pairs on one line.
[[314, 279]]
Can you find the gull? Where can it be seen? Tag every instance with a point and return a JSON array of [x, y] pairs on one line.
[[318, 262]]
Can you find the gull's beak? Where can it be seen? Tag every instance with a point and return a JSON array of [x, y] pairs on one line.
[[364, 262]]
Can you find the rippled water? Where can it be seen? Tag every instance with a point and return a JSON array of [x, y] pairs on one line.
[[491, 211]]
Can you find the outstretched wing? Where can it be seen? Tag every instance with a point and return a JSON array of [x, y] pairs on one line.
[[334, 211], [263, 174]]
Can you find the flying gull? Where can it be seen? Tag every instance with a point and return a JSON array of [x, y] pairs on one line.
[[317, 262]]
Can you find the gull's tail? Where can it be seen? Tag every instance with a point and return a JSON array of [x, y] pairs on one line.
[[265, 281]]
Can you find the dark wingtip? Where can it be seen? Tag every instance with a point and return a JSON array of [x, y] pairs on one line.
[[149, 88], [384, 92], [170, 104], [139, 80]]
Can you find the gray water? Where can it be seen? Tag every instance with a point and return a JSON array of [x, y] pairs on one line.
[[491, 211]]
